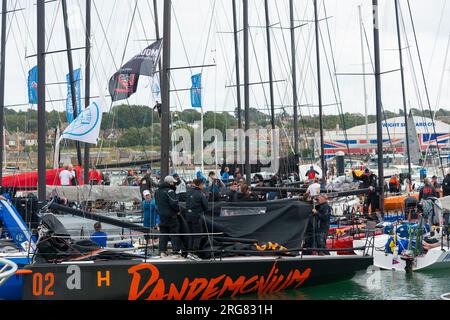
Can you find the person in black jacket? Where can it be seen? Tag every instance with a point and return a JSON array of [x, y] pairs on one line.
[[169, 209], [322, 215], [372, 200], [427, 191], [446, 185], [196, 206]]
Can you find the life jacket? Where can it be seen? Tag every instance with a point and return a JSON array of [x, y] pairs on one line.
[[311, 174], [427, 191], [393, 182]]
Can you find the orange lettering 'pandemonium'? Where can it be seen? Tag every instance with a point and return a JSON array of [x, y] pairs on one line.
[[153, 287]]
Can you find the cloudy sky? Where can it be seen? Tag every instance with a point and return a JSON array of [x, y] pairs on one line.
[[201, 35]]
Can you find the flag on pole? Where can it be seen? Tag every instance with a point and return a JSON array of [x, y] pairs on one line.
[[69, 104], [86, 127], [124, 82], [196, 91], [32, 86], [156, 89]]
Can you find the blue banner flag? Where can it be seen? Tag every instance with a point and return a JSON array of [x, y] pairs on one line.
[[196, 91], [32, 86], [69, 105]]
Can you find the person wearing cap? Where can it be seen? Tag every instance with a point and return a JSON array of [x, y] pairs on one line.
[[151, 217], [196, 206], [181, 187], [322, 215], [168, 207]]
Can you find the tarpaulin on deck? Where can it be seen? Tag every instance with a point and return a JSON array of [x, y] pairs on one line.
[[280, 223]]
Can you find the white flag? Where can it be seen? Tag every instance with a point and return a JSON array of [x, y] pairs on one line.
[[86, 127], [156, 90]]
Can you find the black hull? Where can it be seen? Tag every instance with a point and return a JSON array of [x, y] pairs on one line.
[[184, 280]]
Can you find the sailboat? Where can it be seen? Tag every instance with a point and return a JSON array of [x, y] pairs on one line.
[[244, 252]]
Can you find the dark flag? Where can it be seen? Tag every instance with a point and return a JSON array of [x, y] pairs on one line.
[[124, 82]]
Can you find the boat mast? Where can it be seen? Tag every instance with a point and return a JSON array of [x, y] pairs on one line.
[[269, 55], [363, 57], [238, 68], [87, 89], [155, 13], [41, 100], [246, 92], [165, 92], [294, 77], [2, 88], [319, 91], [376, 37], [402, 73], [72, 80]]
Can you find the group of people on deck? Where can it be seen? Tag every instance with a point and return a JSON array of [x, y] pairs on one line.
[[68, 177], [162, 207]]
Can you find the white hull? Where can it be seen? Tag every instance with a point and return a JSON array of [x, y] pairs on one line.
[[434, 259]]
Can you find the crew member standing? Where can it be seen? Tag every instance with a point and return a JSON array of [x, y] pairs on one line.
[[394, 184], [427, 191], [446, 185], [168, 207], [196, 206], [322, 214], [311, 174], [67, 175]]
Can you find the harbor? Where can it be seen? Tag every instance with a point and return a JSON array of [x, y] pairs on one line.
[[224, 150]]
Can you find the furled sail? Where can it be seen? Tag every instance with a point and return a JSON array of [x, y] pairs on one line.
[[414, 145]]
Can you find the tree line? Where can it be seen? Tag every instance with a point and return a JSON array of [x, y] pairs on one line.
[[140, 125]]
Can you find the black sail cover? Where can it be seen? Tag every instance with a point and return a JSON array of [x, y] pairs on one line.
[[125, 81], [274, 225]]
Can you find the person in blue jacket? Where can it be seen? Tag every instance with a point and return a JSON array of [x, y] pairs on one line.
[[151, 216], [99, 237]]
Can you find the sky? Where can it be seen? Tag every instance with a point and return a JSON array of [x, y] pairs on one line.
[[201, 35]]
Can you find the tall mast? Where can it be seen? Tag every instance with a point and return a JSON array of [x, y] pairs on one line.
[[41, 99], [269, 55], [165, 92], [87, 82], [72, 80], [402, 73], [2, 87], [294, 76], [246, 92], [155, 12], [238, 67], [319, 90], [363, 57], [376, 37]]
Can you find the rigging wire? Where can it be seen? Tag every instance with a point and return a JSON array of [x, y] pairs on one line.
[[425, 85]]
